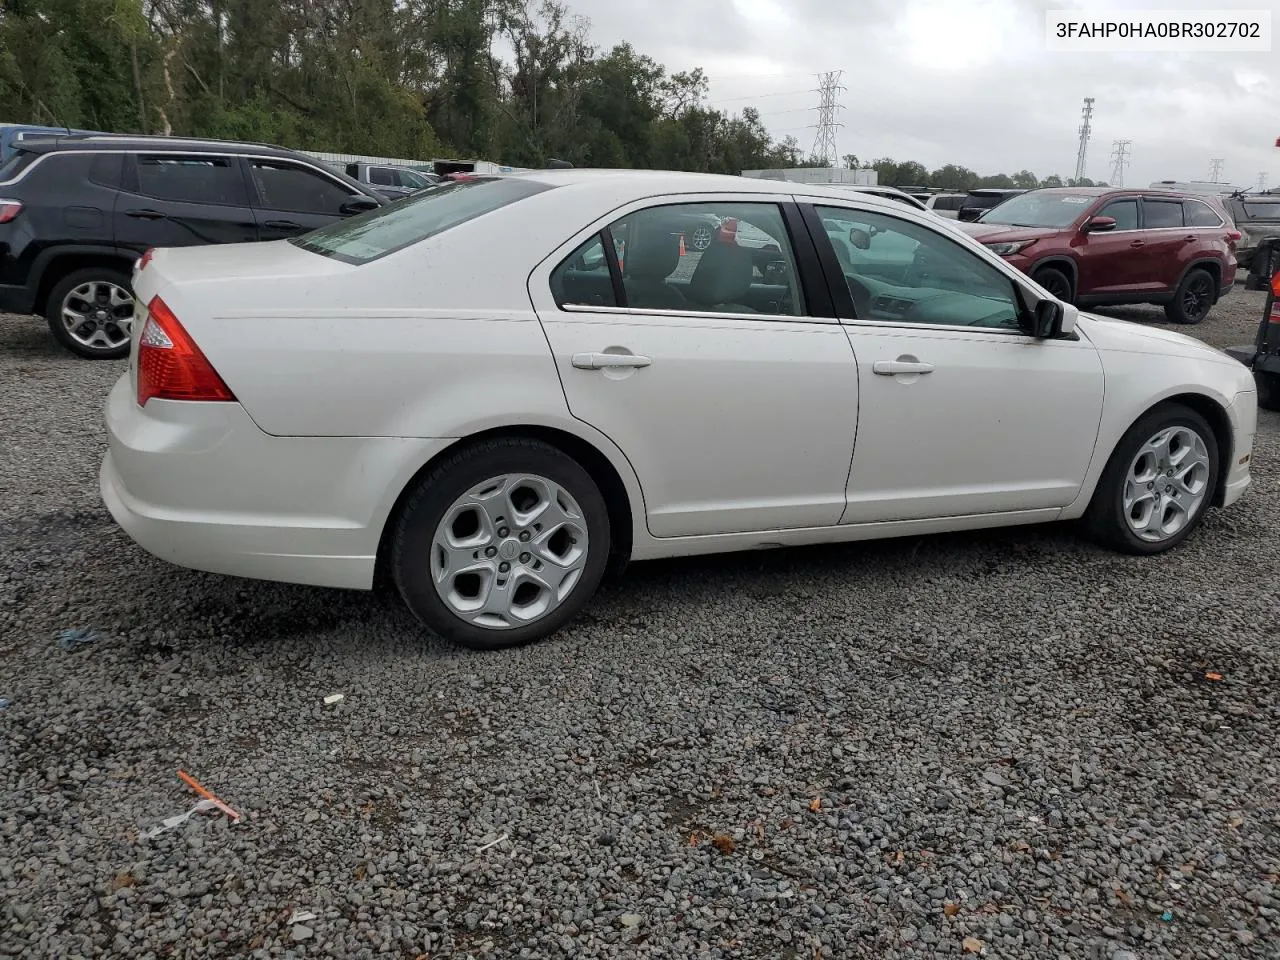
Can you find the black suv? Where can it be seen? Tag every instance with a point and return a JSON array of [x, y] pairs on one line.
[[982, 199], [76, 212]]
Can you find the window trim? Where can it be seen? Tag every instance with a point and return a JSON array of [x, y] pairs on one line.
[[255, 200], [131, 176], [843, 299], [1176, 200], [602, 226]]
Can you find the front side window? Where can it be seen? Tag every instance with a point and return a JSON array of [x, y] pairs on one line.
[[1125, 213], [1161, 214], [418, 216], [901, 272], [296, 189], [193, 179], [745, 265]]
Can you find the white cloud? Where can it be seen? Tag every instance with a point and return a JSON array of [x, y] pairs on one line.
[[970, 81]]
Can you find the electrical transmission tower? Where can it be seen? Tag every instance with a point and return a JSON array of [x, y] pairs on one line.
[[824, 144], [1262, 181], [1085, 130], [1119, 160], [1215, 169]]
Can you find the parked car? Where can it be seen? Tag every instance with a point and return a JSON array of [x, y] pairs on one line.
[[1262, 356], [879, 190], [979, 201], [77, 212], [493, 433], [946, 204], [1256, 216], [393, 182], [1102, 245]]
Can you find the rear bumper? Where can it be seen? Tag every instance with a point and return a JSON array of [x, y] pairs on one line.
[[200, 486], [16, 299]]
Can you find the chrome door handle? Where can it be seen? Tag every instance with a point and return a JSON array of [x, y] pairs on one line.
[[889, 368], [599, 361]]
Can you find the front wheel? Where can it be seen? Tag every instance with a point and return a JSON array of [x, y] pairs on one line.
[[1193, 298], [1158, 483], [502, 544], [1268, 389], [90, 312], [1056, 282]]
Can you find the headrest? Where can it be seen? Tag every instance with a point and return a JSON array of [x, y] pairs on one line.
[[653, 252], [723, 275]]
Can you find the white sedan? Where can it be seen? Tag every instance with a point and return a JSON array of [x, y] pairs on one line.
[[499, 389]]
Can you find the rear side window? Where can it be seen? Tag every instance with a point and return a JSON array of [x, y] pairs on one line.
[[1158, 214], [375, 234], [583, 277], [192, 179], [1254, 209], [106, 168], [1199, 214]]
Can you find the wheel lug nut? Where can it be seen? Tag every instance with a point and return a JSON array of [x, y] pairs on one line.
[[504, 532], [524, 558], [504, 567], [490, 551], [524, 536]]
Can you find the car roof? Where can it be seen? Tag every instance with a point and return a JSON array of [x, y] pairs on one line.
[[104, 142], [1124, 191]]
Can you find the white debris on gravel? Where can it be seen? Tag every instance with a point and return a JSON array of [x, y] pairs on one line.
[[1004, 742]]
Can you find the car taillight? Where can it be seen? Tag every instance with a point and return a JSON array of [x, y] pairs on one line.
[[1275, 285], [9, 209], [170, 365], [145, 259], [1234, 236]]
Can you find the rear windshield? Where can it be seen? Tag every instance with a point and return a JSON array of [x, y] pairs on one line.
[[368, 236], [11, 167]]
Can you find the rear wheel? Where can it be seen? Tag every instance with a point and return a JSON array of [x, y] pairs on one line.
[[1193, 298], [90, 312], [1158, 483], [502, 544], [1055, 281]]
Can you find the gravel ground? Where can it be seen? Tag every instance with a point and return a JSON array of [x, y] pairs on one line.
[[1008, 744]]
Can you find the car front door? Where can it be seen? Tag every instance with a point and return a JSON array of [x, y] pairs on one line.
[[732, 393], [292, 198], [182, 200], [961, 413], [1112, 261]]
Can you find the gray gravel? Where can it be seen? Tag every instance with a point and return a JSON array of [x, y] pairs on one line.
[[1003, 740]]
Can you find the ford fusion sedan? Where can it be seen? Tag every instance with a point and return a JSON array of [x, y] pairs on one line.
[[495, 434]]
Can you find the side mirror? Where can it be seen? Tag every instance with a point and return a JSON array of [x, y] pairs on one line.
[[1099, 224], [860, 238], [1046, 319], [358, 204]]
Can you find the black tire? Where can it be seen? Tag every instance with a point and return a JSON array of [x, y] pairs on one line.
[[1105, 518], [1268, 390], [1193, 299], [53, 311], [436, 493], [1056, 282]]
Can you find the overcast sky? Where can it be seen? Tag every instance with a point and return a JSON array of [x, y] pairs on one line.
[[970, 82]]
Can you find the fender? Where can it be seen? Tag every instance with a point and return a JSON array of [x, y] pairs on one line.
[[42, 261], [1216, 267]]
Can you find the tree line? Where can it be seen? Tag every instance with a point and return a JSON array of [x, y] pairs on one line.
[[395, 78], [954, 177]]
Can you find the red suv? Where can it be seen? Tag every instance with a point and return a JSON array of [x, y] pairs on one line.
[[1095, 246]]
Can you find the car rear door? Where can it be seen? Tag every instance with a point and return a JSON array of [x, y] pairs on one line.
[[171, 199], [292, 198], [725, 381], [1167, 245], [961, 413]]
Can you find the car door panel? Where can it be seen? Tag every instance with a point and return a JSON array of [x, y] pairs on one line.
[[960, 413], [1167, 245], [1113, 261], [732, 423], [176, 200]]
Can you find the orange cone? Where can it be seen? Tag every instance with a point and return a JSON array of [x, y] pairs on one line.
[[682, 250]]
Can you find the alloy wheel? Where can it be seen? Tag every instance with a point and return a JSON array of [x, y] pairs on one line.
[[1166, 484], [1197, 298], [702, 237], [98, 314], [509, 551]]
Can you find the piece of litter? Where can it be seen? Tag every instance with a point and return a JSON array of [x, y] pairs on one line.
[[334, 698], [1213, 676], [177, 821], [972, 945], [299, 916], [191, 782], [70, 639], [1167, 916], [493, 843], [631, 919], [4, 704]]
